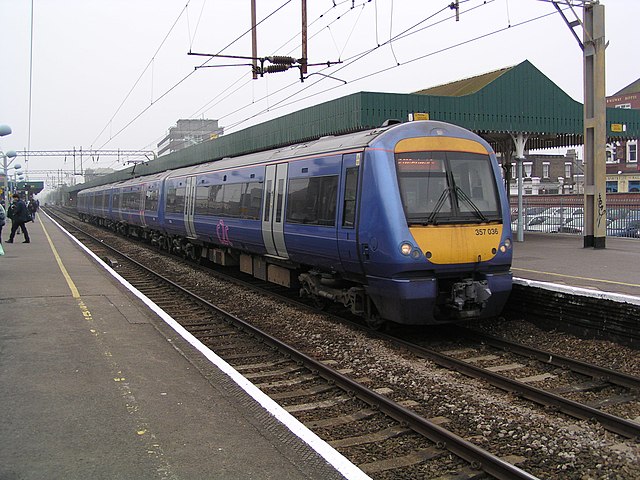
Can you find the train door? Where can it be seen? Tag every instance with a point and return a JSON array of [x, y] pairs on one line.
[[347, 220], [275, 190], [189, 207]]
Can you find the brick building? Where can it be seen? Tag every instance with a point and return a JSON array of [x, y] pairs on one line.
[[623, 171]]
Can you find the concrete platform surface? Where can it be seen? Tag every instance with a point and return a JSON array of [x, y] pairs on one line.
[[562, 259], [94, 386]]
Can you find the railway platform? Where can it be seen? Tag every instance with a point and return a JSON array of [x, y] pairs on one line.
[[561, 259], [95, 385]]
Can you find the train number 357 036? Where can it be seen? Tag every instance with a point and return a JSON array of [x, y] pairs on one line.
[[487, 231]]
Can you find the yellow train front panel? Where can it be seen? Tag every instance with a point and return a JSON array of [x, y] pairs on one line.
[[449, 244]]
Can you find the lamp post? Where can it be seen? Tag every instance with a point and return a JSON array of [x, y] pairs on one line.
[[11, 155]]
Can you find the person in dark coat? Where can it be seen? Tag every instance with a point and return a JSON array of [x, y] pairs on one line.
[[3, 218], [20, 216]]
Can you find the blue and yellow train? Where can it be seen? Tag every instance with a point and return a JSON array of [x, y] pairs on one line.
[[406, 223]]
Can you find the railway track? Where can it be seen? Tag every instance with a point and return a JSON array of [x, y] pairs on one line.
[[355, 418]]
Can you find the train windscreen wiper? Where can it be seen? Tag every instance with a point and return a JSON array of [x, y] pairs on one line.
[[468, 201], [439, 204]]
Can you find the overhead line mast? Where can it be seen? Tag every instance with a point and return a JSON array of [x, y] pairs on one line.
[[593, 46]]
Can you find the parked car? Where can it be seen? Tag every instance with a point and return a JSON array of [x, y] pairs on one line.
[[624, 227], [575, 225], [540, 223], [563, 212]]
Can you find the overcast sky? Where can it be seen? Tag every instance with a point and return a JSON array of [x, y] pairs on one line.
[[115, 74]]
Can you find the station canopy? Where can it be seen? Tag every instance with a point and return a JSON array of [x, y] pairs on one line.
[[495, 105]]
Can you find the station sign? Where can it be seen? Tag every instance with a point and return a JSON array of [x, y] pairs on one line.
[[418, 116]]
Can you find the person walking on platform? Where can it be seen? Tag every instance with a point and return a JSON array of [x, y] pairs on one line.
[[19, 217], [33, 208], [3, 218]]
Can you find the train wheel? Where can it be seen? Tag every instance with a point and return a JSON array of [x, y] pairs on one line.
[[319, 303], [375, 321]]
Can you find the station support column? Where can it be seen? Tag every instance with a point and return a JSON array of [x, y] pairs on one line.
[[595, 123], [520, 140]]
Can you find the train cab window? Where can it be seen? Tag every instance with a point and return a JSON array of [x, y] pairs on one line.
[[475, 184], [350, 195], [313, 200], [447, 187], [424, 185]]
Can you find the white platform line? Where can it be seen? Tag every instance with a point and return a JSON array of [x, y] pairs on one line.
[[582, 292]]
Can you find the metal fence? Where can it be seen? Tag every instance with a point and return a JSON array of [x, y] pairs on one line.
[[565, 214]]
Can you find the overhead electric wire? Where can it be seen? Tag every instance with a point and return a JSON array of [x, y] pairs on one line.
[[143, 72], [186, 76], [480, 37]]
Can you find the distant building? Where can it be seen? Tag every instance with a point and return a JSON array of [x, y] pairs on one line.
[[623, 170], [187, 133], [548, 174]]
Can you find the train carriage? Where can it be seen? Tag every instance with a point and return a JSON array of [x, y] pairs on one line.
[[406, 223]]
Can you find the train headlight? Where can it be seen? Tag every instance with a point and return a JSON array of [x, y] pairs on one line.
[[405, 248], [506, 245]]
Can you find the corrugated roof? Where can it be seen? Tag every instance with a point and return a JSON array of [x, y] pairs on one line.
[[633, 87], [466, 86]]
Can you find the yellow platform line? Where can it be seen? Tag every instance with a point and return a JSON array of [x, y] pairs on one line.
[[577, 278], [65, 273]]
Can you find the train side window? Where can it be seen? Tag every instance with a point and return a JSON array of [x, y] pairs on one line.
[[151, 200], [215, 205], [313, 201], [251, 200], [350, 194], [232, 198], [175, 200], [202, 200]]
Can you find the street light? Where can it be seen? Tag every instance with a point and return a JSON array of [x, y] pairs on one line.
[[6, 130]]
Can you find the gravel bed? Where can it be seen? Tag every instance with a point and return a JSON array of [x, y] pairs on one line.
[[554, 446]]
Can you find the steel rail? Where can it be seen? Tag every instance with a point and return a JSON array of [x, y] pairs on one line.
[[621, 426], [595, 371]]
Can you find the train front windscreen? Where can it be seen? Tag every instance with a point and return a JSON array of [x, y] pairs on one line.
[[447, 187]]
